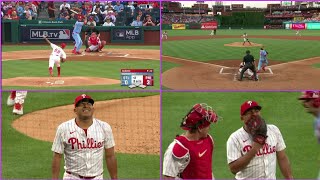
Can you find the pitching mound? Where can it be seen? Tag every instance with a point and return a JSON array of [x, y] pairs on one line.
[[58, 81], [239, 44], [136, 131]]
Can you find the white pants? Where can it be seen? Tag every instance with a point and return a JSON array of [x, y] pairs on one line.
[[248, 72], [54, 60], [67, 176], [20, 96], [163, 35], [94, 47]]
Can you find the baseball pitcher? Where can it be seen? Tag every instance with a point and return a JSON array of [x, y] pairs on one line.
[[245, 39], [77, 32], [254, 149], [84, 141], [57, 56], [189, 156]]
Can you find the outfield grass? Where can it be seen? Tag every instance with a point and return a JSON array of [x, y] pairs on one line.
[[316, 65], [27, 158], [168, 65], [250, 32], [279, 108], [47, 47], [105, 69], [214, 49]]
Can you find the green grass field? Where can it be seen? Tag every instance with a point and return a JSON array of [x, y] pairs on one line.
[[27, 158], [279, 108], [316, 65], [105, 69]]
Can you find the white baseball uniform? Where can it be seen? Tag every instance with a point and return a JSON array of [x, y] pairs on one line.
[[83, 154], [164, 35], [248, 72], [245, 37], [20, 97], [57, 52], [263, 165]]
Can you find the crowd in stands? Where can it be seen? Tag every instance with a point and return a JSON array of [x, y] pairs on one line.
[[97, 13], [170, 18]]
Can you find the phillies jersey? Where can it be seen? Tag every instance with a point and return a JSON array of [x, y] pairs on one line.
[[83, 154], [94, 40], [189, 159], [57, 51], [263, 165]]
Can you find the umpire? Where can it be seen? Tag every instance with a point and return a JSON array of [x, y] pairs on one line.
[[248, 61]]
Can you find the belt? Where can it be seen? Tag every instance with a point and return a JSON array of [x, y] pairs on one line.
[[82, 177]]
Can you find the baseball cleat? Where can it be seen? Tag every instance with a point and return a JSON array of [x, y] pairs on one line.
[[264, 68], [17, 109], [78, 53], [10, 101]]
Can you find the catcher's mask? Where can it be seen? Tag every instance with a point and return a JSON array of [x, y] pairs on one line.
[[200, 116], [249, 105], [81, 98], [311, 95]]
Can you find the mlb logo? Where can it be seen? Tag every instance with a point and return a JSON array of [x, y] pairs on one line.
[[64, 34]]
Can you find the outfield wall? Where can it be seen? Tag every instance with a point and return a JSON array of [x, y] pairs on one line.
[[32, 31], [301, 26]]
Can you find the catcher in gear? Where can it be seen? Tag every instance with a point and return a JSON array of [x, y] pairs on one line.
[[189, 156], [254, 149]]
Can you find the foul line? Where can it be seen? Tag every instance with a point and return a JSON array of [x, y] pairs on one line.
[[195, 61], [292, 62]]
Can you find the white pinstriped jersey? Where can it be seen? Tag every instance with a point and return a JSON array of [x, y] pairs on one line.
[[58, 51], [83, 154], [263, 165]]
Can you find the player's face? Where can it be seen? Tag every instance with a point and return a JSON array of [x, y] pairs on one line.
[[249, 113], [84, 110], [204, 131]]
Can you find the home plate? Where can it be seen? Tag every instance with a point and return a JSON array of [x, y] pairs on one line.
[[59, 82]]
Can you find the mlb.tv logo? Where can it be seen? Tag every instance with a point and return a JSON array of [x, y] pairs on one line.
[[50, 33]]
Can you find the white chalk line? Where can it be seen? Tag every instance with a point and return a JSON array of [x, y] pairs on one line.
[[195, 61], [269, 73], [293, 62]]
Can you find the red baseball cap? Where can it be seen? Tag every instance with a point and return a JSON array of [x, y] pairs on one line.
[[249, 105], [309, 95], [63, 45], [82, 97]]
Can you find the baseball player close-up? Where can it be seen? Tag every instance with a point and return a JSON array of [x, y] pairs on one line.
[[84, 140], [248, 61], [311, 102], [95, 44], [254, 149], [16, 99], [77, 32], [189, 156], [263, 61], [245, 39], [57, 56]]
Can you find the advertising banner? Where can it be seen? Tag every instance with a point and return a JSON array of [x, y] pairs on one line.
[[297, 26], [178, 26], [209, 25], [55, 34], [123, 34]]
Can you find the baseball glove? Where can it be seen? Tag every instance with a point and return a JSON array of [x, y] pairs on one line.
[[62, 59], [258, 129]]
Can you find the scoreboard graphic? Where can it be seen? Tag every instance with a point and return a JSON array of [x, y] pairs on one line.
[[137, 78]]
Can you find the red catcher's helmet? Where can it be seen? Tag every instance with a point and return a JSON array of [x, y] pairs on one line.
[[63, 45], [311, 95], [200, 116]]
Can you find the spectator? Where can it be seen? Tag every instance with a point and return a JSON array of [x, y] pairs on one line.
[[61, 17], [108, 22], [130, 5], [20, 9], [91, 21], [148, 21], [14, 15], [65, 5], [51, 9], [137, 22], [109, 13], [118, 7]]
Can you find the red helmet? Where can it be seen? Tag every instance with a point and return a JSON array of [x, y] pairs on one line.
[[200, 116], [63, 45]]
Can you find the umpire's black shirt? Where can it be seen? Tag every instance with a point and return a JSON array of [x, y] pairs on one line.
[[248, 59]]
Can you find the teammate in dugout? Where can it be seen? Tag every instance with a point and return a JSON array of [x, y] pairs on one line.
[[248, 61], [254, 149], [57, 56], [311, 101], [95, 44], [84, 140], [189, 156]]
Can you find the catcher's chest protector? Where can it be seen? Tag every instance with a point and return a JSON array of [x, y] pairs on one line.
[[200, 166]]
